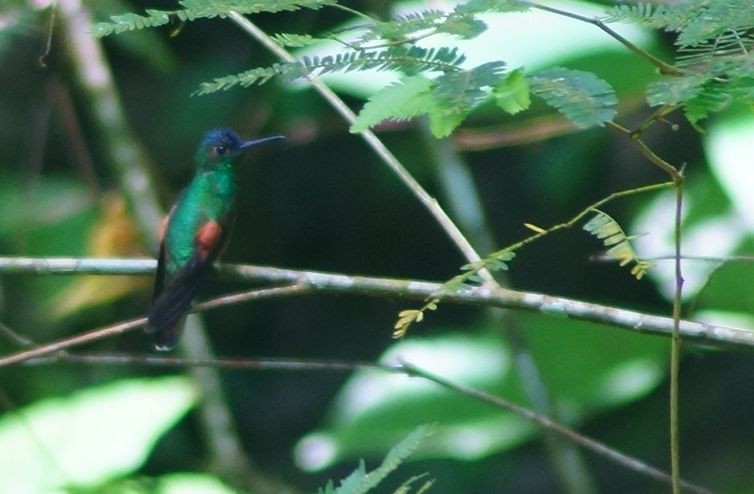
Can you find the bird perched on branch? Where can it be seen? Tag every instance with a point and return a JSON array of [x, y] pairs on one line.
[[195, 232]]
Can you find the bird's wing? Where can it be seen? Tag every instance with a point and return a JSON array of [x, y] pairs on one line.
[[174, 297], [159, 279]]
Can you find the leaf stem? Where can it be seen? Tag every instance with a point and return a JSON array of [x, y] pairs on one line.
[[675, 348]]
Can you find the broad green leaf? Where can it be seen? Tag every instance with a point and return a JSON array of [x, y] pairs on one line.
[[24, 207], [191, 483], [443, 121], [455, 94], [728, 286], [588, 368], [400, 101], [585, 99], [674, 90], [373, 408], [89, 437], [512, 93]]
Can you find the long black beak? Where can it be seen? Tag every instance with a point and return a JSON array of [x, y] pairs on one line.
[[261, 140]]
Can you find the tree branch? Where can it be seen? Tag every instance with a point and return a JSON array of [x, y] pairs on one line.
[[298, 365], [315, 281], [595, 446]]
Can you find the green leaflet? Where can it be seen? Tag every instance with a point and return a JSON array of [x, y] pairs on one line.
[[512, 93], [585, 99], [605, 228], [402, 101], [447, 100], [200, 9], [674, 90], [713, 41], [411, 59], [361, 482], [292, 40]]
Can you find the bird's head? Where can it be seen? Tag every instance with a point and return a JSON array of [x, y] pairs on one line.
[[223, 146]]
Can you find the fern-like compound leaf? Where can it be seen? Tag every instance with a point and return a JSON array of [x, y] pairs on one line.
[[605, 228], [201, 9], [401, 101], [585, 99]]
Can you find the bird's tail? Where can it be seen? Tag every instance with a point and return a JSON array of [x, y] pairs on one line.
[[166, 337], [167, 318]]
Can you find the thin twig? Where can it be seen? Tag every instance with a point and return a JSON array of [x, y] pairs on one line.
[[130, 325], [675, 348], [664, 67], [464, 203], [685, 257], [675, 345], [593, 445]]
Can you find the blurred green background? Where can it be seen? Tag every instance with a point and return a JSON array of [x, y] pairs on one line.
[[323, 201]]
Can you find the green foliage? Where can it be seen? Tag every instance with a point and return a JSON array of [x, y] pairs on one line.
[[512, 94], [460, 22], [605, 228], [401, 101], [16, 19], [291, 40], [391, 45], [497, 261], [411, 59], [74, 429], [582, 97], [361, 482], [200, 9], [446, 100], [714, 40]]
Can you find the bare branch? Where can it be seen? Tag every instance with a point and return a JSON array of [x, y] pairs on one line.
[[320, 282], [595, 446], [299, 365]]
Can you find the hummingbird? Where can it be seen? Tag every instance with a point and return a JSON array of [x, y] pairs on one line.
[[195, 232]]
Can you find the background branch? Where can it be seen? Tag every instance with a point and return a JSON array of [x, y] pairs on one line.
[[299, 365]]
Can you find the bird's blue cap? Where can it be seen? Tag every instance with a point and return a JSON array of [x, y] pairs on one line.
[[229, 139]]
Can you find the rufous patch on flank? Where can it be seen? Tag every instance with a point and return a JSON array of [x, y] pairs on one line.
[[208, 236]]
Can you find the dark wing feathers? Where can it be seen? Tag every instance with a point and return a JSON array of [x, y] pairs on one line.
[[173, 300]]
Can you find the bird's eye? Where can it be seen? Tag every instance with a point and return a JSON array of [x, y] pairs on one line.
[[220, 150]]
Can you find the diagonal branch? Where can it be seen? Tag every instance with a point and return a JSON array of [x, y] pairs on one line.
[[300, 365], [546, 423]]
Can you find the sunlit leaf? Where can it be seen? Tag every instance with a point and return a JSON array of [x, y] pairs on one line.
[[587, 368], [512, 93], [91, 436]]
